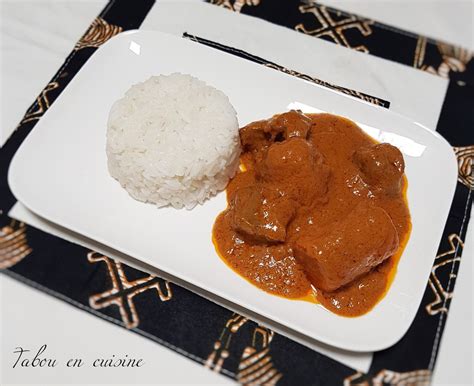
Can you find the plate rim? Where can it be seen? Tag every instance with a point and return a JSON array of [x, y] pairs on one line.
[[125, 36]]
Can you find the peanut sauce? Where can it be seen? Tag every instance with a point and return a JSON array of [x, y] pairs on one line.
[[318, 212]]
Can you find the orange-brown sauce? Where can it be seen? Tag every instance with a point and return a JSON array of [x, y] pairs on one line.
[[318, 212]]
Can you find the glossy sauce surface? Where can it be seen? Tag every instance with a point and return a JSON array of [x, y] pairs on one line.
[[317, 213]]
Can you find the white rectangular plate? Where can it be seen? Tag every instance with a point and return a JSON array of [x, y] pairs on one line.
[[60, 172]]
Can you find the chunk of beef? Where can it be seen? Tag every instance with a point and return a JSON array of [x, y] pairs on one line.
[[261, 215], [298, 170], [255, 136], [349, 249], [261, 134], [291, 124], [381, 167]]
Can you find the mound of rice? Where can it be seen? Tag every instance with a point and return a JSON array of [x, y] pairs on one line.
[[173, 140]]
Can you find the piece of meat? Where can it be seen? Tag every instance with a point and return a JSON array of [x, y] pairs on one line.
[[298, 170], [255, 136], [291, 124], [381, 167], [261, 134], [261, 215], [349, 249]]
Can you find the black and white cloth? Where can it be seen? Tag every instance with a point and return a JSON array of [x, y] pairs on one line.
[[197, 328]]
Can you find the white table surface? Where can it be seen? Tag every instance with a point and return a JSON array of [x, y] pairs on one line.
[[30, 318]]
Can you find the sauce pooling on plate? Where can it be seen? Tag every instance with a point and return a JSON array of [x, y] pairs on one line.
[[318, 212]]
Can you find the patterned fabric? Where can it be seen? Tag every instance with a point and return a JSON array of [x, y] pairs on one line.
[[197, 328], [361, 34], [98, 33]]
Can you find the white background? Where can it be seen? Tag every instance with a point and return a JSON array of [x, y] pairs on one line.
[[34, 44]]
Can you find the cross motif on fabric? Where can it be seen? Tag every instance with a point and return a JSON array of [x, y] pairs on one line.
[[13, 244], [42, 104], [98, 33], [420, 377], [255, 364], [123, 291], [444, 261], [333, 25]]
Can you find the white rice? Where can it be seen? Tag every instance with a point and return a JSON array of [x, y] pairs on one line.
[[173, 140]]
